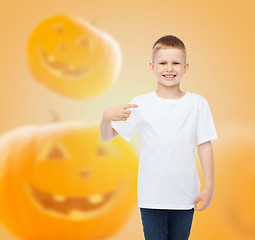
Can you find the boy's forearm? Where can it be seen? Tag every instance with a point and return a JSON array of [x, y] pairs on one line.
[[105, 130], [207, 161]]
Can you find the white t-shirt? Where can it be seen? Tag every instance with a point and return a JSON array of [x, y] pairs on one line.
[[170, 130]]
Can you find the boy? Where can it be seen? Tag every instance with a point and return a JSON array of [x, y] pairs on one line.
[[171, 124]]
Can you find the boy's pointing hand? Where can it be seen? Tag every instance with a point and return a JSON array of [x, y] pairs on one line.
[[118, 113]]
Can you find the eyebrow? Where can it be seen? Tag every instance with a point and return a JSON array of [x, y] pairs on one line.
[[160, 60]]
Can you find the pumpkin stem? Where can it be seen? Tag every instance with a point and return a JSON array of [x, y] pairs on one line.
[[94, 21], [55, 116]]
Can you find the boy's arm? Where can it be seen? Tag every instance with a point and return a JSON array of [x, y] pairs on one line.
[[118, 113], [106, 132], [205, 152]]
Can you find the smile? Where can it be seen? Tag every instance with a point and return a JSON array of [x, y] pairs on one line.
[[76, 208], [169, 77], [59, 68]]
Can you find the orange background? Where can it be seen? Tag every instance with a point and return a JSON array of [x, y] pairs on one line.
[[219, 38]]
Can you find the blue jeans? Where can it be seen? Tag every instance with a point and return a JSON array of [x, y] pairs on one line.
[[166, 224]]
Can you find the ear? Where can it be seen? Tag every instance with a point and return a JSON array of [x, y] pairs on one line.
[[151, 66], [186, 67]]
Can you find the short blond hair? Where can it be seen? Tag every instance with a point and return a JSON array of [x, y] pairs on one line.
[[168, 41]]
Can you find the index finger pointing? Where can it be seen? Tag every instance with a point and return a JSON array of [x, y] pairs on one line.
[[130, 105]]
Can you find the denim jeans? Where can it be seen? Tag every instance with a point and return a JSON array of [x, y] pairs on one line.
[[166, 224]]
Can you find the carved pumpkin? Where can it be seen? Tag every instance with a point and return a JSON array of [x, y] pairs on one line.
[[60, 181], [72, 57]]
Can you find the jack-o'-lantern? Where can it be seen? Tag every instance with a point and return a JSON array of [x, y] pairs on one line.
[[231, 214], [72, 57], [60, 181]]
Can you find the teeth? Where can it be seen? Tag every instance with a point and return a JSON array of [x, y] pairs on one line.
[[169, 76], [76, 214], [51, 58], [57, 72], [95, 198], [71, 67], [59, 198]]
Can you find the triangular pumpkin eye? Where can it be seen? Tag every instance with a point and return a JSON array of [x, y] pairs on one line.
[[85, 42], [58, 28], [106, 149], [55, 153], [53, 150]]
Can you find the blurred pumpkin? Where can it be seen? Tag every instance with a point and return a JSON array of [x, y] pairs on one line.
[[231, 214], [60, 181], [72, 57]]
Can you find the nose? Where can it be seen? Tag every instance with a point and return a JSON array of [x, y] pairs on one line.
[[169, 67], [62, 46], [85, 173]]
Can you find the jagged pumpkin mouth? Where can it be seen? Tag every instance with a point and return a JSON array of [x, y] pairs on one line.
[[62, 69], [76, 208]]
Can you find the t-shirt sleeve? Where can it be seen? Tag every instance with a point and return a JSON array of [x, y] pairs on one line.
[[205, 128], [127, 128]]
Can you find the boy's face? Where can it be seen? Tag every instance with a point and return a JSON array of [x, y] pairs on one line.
[[169, 61]]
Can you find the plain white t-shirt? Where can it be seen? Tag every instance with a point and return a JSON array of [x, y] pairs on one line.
[[170, 130]]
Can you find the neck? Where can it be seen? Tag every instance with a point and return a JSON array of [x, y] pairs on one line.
[[169, 92]]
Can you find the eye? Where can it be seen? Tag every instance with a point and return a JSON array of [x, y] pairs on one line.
[[176, 63], [107, 149], [162, 62], [58, 28], [53, 150], [83, 41]]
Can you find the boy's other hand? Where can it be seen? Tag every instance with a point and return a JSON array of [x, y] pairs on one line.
[[118, 113], [206, 198]]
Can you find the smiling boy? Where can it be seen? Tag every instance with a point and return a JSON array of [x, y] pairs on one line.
[[172, 123]]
